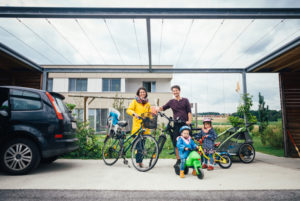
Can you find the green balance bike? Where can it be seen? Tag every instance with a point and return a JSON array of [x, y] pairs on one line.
[[192, 161]]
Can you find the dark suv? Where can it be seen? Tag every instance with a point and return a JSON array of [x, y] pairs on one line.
[[35, 125]]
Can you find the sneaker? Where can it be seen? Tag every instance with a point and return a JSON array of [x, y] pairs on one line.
[[210, 168], [194, 172], [177, 163], [204, 166]]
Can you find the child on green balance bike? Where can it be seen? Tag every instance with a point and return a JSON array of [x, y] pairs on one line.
[[188, 157]]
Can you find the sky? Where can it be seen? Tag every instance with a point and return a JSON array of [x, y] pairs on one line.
[[199, 43]]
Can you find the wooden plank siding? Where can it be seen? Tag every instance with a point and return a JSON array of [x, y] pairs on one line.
[[290, 97], [24, 79]]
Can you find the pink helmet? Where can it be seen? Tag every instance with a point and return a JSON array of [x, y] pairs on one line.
[[207, 120]]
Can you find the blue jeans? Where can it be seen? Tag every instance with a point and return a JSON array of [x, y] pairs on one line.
[[211, 159], [182, 163]]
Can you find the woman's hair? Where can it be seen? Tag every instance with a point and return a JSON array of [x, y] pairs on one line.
[[139, 89], [176, 87]]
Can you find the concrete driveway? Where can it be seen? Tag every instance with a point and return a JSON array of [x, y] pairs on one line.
[[265, 173]]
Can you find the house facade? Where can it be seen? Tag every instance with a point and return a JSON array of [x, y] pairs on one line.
[[76, 86]]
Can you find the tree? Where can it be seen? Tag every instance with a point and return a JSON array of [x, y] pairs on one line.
[[71, 106], [243, 110], [263, 117], [118, 103]]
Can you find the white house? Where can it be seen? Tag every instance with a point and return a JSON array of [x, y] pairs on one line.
[[108, 85]]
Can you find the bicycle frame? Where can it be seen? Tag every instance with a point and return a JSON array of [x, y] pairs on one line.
[[138, 133], [216, 156]]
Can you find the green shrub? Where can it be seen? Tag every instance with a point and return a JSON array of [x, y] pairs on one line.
[[273, 135], [89, 145], [220, 129]]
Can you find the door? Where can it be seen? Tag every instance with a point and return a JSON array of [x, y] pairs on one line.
[[4, 111]]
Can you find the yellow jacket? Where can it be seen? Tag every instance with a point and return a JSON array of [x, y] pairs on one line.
[[139, 109]]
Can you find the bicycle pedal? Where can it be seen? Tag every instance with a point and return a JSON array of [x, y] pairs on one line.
[[125, 162]]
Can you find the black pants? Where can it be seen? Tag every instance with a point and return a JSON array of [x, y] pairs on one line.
[[176, 133], [140, 148]]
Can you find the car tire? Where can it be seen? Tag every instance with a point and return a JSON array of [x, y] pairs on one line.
[[19, 156]]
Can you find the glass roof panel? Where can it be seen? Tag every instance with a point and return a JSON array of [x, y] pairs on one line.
[[218, 43], [77, 41]]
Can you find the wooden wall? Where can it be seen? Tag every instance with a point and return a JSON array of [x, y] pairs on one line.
[[24, 79], [290, 102]]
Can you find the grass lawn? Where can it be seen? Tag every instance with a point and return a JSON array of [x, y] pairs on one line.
[[168, 147], [267, 149]]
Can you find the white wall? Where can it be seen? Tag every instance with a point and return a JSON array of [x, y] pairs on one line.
[[162, 85], [60, 84], [94, 85]]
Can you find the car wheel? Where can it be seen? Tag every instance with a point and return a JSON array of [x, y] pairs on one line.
[[19, 156]]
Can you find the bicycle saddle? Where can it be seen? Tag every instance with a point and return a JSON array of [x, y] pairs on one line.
[[122, 123]]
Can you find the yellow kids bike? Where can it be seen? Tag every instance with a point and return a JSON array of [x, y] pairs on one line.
[[222, 158]]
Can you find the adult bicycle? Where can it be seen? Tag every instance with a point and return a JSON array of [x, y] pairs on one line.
[[142, 146]]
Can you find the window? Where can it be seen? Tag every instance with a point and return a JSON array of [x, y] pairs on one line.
[[78, 113], [61, 105], [3, 99], [113, 84], [150, 86], [96, 117], [50, 84], [24, 100], [77, 84], [92, 118]]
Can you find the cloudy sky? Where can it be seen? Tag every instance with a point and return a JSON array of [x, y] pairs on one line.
[[181, 43]]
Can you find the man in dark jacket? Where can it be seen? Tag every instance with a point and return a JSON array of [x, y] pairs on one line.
[[181, 113]]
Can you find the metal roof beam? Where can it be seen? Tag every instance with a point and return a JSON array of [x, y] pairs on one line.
[[166, 13], [149, 43], [127, 70]]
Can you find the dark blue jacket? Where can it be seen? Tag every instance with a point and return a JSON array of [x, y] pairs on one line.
[[209, 142]]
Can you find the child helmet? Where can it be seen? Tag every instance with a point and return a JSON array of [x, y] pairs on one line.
[[184, 128], [208, 120]]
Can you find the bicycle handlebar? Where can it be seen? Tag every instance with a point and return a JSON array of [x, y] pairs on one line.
[[170, 118], [192, 149], [201, 140]]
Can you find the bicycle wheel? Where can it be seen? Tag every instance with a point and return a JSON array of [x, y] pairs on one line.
[[144, 153], [246, 153], [111, 150], [161, 142], [226, 162]]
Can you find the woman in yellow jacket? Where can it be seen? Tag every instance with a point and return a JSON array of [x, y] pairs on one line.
[[136, 108]]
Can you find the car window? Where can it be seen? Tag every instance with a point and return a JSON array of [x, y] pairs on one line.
[[25, 100], [3, 98], [61, 104]]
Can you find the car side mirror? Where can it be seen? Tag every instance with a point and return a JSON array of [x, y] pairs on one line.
[[4, 113]]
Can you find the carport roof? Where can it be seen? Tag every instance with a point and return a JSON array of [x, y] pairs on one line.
[[13, 61], [284, 59], [191, 40]]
